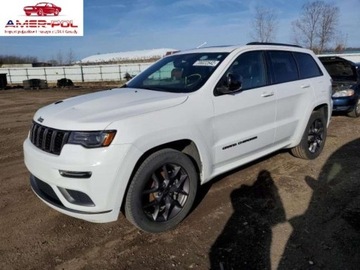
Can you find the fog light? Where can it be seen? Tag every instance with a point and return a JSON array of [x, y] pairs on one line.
[[71, 174]]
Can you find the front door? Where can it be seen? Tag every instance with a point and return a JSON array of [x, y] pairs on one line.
[[244, 122]]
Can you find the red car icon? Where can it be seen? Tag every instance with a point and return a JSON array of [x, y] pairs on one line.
[[42, 9]]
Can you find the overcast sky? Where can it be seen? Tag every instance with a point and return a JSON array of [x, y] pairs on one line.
[[125, 25]]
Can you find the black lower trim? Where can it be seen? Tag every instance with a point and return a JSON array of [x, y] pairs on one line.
[[45, 192]]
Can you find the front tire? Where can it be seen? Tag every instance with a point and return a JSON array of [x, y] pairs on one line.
[[162, 191], [313, 139]]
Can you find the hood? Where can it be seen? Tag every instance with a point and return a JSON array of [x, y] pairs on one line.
[[97, 110], [340, 69]]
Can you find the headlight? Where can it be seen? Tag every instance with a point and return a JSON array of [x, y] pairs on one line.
[[92, 139], [344, 93]]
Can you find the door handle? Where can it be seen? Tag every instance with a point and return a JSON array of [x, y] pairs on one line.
[[267, 94], [305, 86]]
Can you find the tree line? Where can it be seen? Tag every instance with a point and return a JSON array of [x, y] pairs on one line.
[[60, 59], [11, 59]]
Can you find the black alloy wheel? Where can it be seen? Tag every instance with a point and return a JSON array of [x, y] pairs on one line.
[[316, 136], [166, 192], [162, 191]]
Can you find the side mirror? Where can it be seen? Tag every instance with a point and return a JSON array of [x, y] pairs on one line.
[[233, 83], [230, 84]]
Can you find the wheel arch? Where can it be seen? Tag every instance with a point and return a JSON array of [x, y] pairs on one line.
[[324, 108], [186, 146]]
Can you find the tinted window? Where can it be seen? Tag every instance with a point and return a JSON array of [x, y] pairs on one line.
[[307, 66], [283, 66], [249, 69]]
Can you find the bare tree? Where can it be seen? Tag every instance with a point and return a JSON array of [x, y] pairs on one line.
[[316, 27], [60, 58], [328, 23], [265, 25], [70, 57], [340, 42]]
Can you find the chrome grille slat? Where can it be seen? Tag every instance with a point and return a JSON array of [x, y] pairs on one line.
[[48, 139]]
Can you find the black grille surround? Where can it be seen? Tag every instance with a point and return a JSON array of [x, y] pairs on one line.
[[48, 139]]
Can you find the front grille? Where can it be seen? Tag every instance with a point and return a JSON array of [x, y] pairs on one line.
[[48, 139]]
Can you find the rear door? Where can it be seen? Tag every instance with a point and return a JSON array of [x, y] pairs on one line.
[[291, 75]]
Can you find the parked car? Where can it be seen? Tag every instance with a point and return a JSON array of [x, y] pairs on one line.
[[189, 117], [346, 84], [42, 9]]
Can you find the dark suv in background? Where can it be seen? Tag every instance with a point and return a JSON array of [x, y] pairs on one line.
[[346, 84]]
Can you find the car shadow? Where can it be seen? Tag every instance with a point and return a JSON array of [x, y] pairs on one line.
[[245, 241], [327, 235], [205, 188]]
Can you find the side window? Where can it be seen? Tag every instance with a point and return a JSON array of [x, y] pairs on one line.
[[283, 66], [249, 70], [308, 68]]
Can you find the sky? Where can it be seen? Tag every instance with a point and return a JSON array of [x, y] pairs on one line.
[[127, 25]]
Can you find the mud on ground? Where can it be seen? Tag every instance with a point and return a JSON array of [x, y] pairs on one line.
[[279, 212]]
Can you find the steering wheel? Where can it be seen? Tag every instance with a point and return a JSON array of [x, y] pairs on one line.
[[192, 79]]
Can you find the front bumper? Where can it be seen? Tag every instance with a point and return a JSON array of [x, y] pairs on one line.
[[95, 198], [344, 104]]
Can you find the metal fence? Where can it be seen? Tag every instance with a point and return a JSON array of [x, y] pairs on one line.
[[93, 73], [78, 73]]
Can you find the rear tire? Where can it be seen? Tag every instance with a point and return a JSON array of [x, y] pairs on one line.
[[356, 111], [162, 191], [313, 140]]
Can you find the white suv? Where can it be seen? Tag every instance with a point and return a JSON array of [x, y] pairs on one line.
[[191, 116]]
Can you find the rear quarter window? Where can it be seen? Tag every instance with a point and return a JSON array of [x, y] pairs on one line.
[[308, 68]]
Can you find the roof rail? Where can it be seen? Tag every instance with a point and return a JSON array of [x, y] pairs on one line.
[[273, 44]]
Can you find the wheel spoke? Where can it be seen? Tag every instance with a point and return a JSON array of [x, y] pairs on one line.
[[164, 172], [175, 171], [179, 186], [153, 203], [156, 212], [315, 136], [155, 185], [170, 206]]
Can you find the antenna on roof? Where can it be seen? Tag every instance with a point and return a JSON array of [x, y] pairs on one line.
[[201, 45]]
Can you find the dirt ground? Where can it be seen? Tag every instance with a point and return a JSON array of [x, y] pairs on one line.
[[279, 212]]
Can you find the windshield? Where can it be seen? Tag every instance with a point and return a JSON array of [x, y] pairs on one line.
[[181, 73]]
